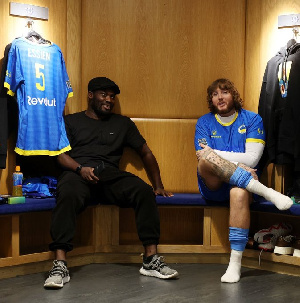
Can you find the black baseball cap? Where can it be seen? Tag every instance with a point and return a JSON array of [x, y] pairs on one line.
[[99, 83]]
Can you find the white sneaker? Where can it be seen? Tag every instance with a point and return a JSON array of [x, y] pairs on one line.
[[296, 247], [266, 238], [284, 245], [158, 268], [58, 275]]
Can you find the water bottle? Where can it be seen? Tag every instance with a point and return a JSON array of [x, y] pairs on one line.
[[17, 182]]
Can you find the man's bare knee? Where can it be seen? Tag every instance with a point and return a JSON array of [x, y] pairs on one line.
[[240, 197]]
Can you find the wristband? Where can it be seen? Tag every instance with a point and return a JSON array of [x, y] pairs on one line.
[[78, 169]]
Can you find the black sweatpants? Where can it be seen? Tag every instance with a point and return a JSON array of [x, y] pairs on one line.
[[115, 187]]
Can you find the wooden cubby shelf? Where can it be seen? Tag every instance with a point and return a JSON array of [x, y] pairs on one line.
[[107, 234]]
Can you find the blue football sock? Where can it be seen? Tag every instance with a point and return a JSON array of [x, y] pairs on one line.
[[240, 177], [238, 238]]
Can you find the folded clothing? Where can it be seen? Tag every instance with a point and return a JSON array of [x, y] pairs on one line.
[[39, 187]]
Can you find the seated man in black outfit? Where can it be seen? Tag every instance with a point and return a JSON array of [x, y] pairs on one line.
[[98, 137]]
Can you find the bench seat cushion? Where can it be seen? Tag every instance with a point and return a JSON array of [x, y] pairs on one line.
[[30, 205], [188, 199], [260, 204], [179, 199]]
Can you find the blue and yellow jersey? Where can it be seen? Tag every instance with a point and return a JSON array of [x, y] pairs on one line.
[[37, 74], [231, 137]]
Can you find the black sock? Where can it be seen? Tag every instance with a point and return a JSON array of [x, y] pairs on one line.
[[148, 259]]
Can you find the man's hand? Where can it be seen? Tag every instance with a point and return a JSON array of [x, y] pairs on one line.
[[199, 153], [249, 169], [87, 173], [162, 192]]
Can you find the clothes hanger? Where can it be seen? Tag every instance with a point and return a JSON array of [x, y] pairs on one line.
[[33, 36], [293, 41]]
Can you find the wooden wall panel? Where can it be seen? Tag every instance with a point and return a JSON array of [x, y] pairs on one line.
[[172, 143], [73, 56], [163, 54]]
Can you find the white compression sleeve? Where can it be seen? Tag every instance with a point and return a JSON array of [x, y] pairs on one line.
[[251, 156]]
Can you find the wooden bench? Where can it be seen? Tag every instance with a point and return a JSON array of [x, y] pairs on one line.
[[190, 227], [193, 230]]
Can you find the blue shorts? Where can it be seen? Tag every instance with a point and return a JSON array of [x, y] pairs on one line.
[[222, 194]]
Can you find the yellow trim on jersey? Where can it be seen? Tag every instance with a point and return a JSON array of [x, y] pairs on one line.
[[226, 124], [70, 95], [252, 140], [9, 92], [41, 152], [6, 85]]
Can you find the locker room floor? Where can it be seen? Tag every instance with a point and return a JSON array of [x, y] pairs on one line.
[[123, 283]]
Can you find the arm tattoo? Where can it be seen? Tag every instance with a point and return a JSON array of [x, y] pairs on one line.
[[221, 167]]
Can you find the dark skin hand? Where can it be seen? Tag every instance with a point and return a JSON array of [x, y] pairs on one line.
[[152, 170], [87, 173], [70, 164]]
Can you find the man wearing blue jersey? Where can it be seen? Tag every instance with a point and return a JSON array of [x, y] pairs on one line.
[[229, 143], [98, 137]]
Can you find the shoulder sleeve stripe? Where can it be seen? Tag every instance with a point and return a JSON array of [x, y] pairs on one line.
[[252, 140]]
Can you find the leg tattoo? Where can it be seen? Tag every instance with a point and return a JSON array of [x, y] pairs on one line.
[[222, 168]]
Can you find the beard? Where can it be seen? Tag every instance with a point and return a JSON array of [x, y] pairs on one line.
[[215, 110], [97, 108], [224, 111]]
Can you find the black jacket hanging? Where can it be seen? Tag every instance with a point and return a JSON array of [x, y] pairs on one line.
[[279, 107], [8, 112]]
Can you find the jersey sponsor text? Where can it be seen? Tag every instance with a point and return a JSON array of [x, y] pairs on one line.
[[41, 101]]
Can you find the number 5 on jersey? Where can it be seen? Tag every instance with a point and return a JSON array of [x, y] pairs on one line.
[[40, 75]]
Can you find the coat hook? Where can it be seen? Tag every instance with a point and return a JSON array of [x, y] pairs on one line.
[[29, 23], [296, 32]]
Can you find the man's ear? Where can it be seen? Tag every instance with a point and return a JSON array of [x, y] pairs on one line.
[[90, 95]]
